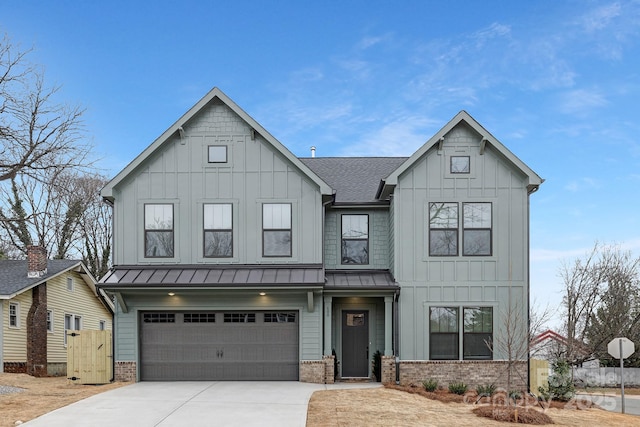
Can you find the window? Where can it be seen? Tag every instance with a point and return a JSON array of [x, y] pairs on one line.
[[199, 317], [70, 283], [276, 229], [478, 332], [476, 235], [158, 231], [239, 318], [49, 320], [444, 225], [102, 325], [71, 323], [443, 229], [280, 317], [217, 154], [443, 338], [14, 315], [218, 230], [159, 318], [460, 164], [355, 239]]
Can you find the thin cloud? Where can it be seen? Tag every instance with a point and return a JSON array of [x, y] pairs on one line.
[[583, 184], [581, 101]]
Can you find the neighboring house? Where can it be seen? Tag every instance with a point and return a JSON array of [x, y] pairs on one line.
[[235, 259], [39, 300], [551, 346]]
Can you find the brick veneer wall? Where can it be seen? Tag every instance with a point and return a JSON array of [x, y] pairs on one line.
[[15, 367], [37, 332], [125, 371], [317, 371], [472, 373], [388, 369]]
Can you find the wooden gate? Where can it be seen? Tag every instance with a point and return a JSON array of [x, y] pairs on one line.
[[89, 357], [538, 375]]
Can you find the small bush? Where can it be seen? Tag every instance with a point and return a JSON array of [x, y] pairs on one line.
[[560, 384], [458, 388], [486, 390], [430, 385], [515, 395]]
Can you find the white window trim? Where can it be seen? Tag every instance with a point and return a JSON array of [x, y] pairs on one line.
[[70, 284], [73, 318], [17, 306], [51, 321]]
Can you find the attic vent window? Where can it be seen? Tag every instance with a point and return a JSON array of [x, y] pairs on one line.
[[460, 164], [217, 154]]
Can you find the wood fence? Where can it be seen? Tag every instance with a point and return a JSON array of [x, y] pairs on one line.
[[89, 357]]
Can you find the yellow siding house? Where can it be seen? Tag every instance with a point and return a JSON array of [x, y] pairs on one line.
[[40, 300]]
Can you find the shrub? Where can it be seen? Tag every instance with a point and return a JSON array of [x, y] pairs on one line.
[[560, 384], [430, 385], [458, 388], [486, 390], [377, 365]]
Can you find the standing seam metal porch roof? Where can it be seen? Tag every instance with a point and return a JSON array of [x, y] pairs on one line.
[[213, 276]]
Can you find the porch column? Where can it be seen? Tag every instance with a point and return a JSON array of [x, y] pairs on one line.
[[328, 301], [388, 326]]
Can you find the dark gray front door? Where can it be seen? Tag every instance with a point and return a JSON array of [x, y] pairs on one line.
[[355, 343]]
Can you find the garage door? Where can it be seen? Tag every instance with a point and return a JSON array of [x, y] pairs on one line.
[[219, 346]]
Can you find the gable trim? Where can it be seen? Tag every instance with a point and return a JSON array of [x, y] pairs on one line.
[[388, 184], [177, 127]]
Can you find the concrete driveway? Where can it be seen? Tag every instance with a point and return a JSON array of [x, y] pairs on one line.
[[205, 403]]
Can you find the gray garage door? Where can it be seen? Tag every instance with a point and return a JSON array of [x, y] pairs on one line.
[[200, 345]]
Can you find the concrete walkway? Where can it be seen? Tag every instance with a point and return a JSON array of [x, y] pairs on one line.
[[206, 403]]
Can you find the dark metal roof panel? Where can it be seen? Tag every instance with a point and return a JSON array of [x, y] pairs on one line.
[[365, 279], [213, 276]]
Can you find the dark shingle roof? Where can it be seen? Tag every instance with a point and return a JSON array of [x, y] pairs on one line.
[[355, 179], [13, 274]]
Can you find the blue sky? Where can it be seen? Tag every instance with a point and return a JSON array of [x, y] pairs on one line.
[[558, 82]]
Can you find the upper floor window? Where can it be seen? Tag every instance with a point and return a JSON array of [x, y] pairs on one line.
[[218, 230], [276, 229], [476, 233], [217, 154], [70, 283], [478, 332], [14, 315], [355, 239], [460, 164], [158, 230], [444, 227]]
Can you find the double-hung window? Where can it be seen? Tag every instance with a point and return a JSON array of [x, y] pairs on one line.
[[444, 226], [276, 229], [218, 230], [14, 315], [478, 332], [443, 336], [158, 231], [355, 239]]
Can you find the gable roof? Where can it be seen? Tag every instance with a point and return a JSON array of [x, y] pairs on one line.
[[534, 180], [14, 279], [215, 93], [354, 179]]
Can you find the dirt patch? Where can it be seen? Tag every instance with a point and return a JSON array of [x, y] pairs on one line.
[[387, 406], [41, 395]]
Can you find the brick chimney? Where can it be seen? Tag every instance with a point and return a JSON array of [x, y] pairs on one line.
[[37, 261]]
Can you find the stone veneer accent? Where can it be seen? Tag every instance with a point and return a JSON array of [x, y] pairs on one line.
[[317, 371], [125, 371], [473, 373]]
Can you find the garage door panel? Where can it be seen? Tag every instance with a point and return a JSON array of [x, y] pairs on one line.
[[219, 346]]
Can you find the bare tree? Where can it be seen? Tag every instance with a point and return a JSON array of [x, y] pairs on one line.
[[601, 299], [37, 135]]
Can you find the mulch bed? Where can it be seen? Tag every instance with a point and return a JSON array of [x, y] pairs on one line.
[[525, 410]]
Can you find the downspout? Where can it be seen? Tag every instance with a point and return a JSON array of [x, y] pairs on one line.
[[530, 191], [324, 209], [396, 334]]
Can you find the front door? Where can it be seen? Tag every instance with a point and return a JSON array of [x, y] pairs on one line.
[[355, 343]]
